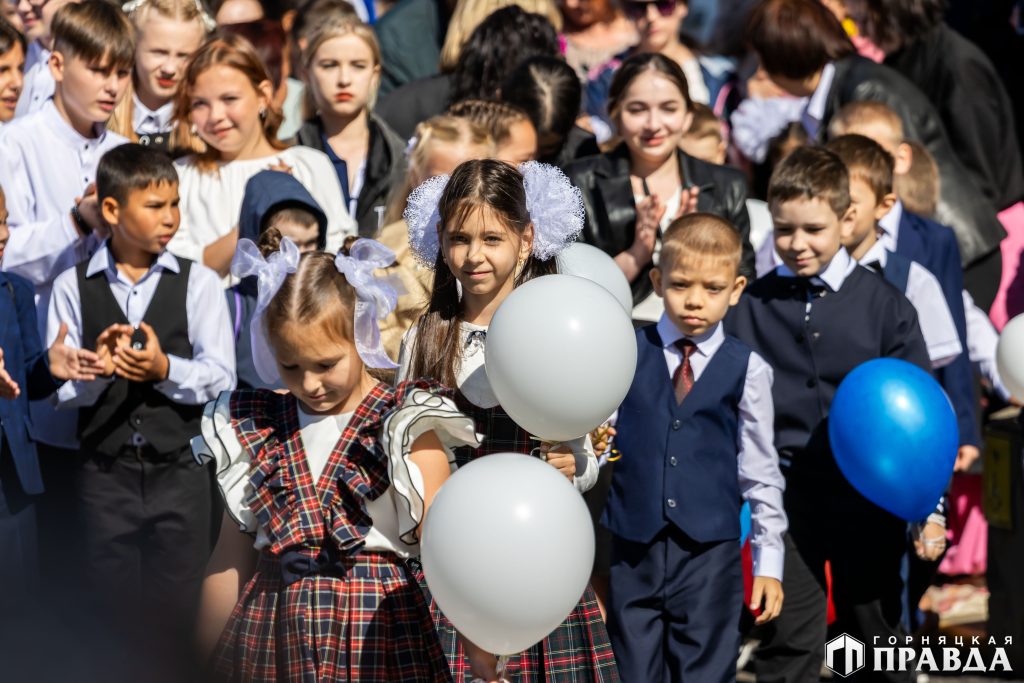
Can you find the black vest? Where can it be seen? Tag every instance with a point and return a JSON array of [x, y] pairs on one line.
[[127, 407]]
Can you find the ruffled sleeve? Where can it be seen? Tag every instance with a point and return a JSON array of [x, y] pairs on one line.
[[419, 412], [220, 444]]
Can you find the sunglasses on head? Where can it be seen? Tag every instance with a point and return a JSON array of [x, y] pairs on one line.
[[638, 10]]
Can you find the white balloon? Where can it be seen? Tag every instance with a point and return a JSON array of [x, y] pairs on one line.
[[507, 550], [560, 356], [589, 262], [1009, 356]]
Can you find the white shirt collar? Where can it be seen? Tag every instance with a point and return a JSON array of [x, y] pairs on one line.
[[155, 121], [816, 104], [66, 133], [835, 272], [103, 260], [877, 253], [706, 343], [890, 223]]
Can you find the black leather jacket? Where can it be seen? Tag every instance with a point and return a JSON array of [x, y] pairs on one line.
[[385, 169], [962, 206], [611, 211]]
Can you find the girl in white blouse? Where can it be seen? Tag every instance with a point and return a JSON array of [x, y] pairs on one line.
[[225, 98]]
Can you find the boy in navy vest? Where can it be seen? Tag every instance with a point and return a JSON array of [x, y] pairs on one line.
[[160, 325], [695, 432], [814, 319]]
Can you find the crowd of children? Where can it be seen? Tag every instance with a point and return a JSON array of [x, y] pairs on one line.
[[243, 322]]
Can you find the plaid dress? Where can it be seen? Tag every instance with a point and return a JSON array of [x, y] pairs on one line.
[[320, 607], [578, 651]]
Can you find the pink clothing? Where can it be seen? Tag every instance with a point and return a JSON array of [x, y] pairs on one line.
[[865, 48], [1009, 301], [968, 530]]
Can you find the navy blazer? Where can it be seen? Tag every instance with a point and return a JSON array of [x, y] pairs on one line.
[[25, 359], [934, 246]]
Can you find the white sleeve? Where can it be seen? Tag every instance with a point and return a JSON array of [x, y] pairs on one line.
[[982, 340], [65, 307], [937, 326]]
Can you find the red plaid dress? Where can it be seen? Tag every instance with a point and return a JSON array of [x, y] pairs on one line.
[[578, 651], [320, 608]]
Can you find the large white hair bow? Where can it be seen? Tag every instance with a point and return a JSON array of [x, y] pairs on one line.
[[555, 206], [270, 275], [376, 297]]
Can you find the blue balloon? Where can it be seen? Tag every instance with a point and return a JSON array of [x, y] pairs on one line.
[[894, 436]]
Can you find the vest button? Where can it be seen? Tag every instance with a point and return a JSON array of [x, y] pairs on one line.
[[137, 420], [672, 461], [671, 502], [676, 424]]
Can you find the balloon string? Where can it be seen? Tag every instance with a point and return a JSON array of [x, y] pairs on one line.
[[502, 665]]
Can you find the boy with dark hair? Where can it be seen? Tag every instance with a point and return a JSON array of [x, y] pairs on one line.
[[160, 326], [695, 433], [814, 319]]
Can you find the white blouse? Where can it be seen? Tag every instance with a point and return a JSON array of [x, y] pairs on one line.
[[396, 514], [476, 388], [211, 202]]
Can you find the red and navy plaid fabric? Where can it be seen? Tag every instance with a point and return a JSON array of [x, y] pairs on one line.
[[372, 626], [368, 622], [579, 650]]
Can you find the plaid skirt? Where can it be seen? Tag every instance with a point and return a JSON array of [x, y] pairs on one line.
[[371, 626], [578, 651]]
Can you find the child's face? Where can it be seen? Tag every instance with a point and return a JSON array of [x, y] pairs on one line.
[[343, 75], [808, 234], [317, 368], [89, 91], [697, 291], [706, 148], [37, 16], [863, 224], [521, 144], [147, 220], [657, 31], [225, 108], [5, 232], [483, 253], [653, 117], [164, 47], [12, 78], [304, 236]]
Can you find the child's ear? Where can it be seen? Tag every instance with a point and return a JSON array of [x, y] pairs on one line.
[[526, 243], [904, 159], [737, 289], [57, 66], [265, 90], [884, 206], [656, 281], [721, 153], [846, 224], [111, 210]]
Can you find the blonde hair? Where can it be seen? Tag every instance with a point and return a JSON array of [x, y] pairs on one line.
[[919, 188], [336, 27], [469, 14], [184, 11], [701, 235], [444, 129], [861, 113]]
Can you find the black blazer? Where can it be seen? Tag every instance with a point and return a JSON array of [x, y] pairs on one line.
[[962, 206], [385, 169], [611, 211]]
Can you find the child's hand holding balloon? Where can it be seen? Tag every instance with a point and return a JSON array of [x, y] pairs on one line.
[[561, 457]]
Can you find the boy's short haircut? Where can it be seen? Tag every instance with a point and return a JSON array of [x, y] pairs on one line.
[[295, 214], [919, 187], [811, 173], [700, 235], [95, 31], [862, 113], [132, 167], [865, 160], [705, 123], [796, 38]]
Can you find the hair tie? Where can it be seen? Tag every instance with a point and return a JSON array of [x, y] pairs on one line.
[[270, 274], [375, 297], [555, 206]]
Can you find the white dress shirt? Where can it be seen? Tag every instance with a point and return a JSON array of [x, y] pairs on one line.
[[889, 226], [761, 480], [982, 340], [925, 292], [814, 113], [473, 384], [834, 275], [194, 381], [211, 202], [145, 121], [44, 165], [39, 84]]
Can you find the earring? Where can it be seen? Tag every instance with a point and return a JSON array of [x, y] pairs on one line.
[[263, 112], [194, 129]]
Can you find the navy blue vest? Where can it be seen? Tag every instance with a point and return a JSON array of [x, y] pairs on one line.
[[678, 462], [897, 271]]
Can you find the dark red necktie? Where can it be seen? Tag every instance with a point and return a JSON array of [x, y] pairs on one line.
[[682, 378]]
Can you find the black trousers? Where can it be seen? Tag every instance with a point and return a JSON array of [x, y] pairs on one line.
[[982, 277], [828, 521], [145, 524]]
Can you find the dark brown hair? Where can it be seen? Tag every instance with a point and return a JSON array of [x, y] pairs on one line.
[[865, 160], [796, 38], [95, 31], [891, 24], [633, 67], [238, 53], [9, 37], [700, 235], [474, 185], [811, 173]]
